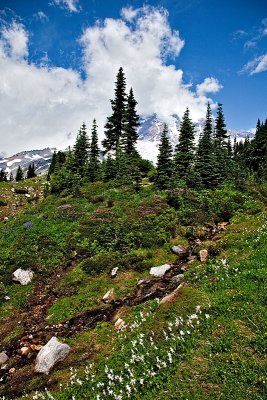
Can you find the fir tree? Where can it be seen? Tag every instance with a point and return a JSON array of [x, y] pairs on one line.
[[184, 151], [129, 134], [164, 162], [93, 162], [109, 169], [3, 176], [205, 155], [58, 159], [19, 174], [31, 171], [220, 128], [116, 122], [222, 153], [11, 177], [80, 152]]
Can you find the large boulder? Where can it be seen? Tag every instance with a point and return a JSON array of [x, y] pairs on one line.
[[160, 271], [23, 276], [53, 352], [179, 250]]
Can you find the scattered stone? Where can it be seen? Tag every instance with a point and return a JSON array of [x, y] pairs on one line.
[[119, 324], [12, 370], [7, 298], [113, 273], [21, 190], [3, 357], [222, 225], [198, 242], [203, 255], [36, 347], [179, 250], [22, 276], [27, 225], [160, 271], [177, 279], [170, 298], [192, 258], [108, 296], [64, 207], [24, 351], [50, 354]]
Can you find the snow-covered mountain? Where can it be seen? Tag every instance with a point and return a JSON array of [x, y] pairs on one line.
[[40, 158], [151, 128]]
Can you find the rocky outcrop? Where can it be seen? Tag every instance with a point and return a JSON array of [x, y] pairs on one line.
[[160, 271], [53, 352], [22, 276]]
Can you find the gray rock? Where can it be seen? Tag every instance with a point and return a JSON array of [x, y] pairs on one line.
[[22, 276], [108, 296], [50, 354], [3, 358], [177, 279], [113, 273], [160, 271], [179, 250]]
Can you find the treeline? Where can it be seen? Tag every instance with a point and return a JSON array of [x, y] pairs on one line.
[[205, 164], [19, 174]]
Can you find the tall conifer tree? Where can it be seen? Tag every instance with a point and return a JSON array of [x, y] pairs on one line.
[[80, 152], [116, 122], [93, 162], [184, 151], [129, 134], [19, 174], [164, 163]]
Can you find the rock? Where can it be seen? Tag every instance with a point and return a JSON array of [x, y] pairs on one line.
[[170, 298], [64, 207], [177, 279], [36, 347], [27, 225], [12, 370], [7, 298], [50, 354], [179, 250], [160, 271], [192, 258], [119, 324], [22, 276], [24, 351], [3, 357], [113, 273], [109, 295], [21, 190], [203, 255]]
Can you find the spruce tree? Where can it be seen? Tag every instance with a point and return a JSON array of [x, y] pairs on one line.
[[205, 155], [19, 174], [93, 162], [223, 162], [164, 162], [80, 152], [109, 168], [116, 122], [131, 123], [58, 159], [3, 176], [11, 177], [31, 171], [184, 151]]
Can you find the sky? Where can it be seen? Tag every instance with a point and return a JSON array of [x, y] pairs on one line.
[[59, 59]]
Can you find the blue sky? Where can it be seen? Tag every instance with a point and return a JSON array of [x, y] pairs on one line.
[[220, 53]]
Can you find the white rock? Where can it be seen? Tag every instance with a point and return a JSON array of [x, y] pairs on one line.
[[3, 358], [203, 255], [109, 295], [159, 271], [114, 272], [119, 324], [23, 276], [50, 354]]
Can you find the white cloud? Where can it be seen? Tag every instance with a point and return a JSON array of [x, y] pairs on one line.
[[259, 64], [70, 5], [14, 40], [42, 106], [210, 85], [40, 15], [129, 13]]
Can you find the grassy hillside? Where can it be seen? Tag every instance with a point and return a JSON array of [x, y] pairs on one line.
[[208, 341]]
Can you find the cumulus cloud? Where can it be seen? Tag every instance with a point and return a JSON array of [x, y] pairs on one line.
[[44, 106], [14, 40], [70, 5], [259, 64], [210, 85]]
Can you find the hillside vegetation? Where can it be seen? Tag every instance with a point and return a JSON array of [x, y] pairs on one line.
[[207, 341]]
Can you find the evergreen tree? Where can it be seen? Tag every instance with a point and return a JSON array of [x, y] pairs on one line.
[[3, 176], [11, 177], [129, 134], [109, 169], [259, 149], [19, 174], [93, 162], [31, 171], [184, 151], [205, 155], [164, 162], [116, 122], [221, 134], [58, 159], [80, 152]]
